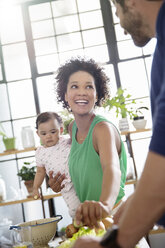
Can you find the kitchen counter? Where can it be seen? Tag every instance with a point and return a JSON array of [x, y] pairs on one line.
[[142, 243]]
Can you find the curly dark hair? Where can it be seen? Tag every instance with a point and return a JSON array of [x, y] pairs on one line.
[[46, 116], [81, 64]]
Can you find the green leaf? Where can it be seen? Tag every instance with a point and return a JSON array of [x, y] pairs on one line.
[[2, 131], [121, 103], [27, 173]]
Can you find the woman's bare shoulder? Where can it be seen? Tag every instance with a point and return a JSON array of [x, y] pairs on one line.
[[106, 130], [105, 125]]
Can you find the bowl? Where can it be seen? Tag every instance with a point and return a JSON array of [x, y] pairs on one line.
[[139, 124], [43, 230]]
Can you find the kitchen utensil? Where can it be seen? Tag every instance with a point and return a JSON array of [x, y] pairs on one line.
[[42, 230]]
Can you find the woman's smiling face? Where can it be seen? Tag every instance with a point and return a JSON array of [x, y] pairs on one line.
[[81, 93]]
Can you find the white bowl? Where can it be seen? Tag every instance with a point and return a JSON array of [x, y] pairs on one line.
[[139, 124], [43, 230]]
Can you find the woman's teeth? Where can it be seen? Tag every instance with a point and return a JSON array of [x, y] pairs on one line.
[[81, 102]]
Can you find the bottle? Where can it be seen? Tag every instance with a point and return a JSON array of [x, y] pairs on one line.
[[2, 190], [27, 137]]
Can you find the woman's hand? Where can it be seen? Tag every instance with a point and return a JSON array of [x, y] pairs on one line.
[[87, 242], [90, 213], [56, 181]]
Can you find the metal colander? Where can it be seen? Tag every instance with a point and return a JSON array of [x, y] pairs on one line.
[[43, 230]]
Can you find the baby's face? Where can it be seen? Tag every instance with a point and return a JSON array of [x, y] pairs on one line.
[[49, 132]]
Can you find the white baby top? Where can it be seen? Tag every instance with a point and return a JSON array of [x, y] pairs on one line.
[[55, 158]]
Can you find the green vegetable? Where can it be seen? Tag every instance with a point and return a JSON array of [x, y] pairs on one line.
[[75, 224], [83, 231]]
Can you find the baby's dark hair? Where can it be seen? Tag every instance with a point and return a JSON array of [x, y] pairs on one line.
[[46, 116], [80, 64]]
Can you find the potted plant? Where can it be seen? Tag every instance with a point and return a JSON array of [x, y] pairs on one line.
[[67, 119], [9, 143], [138, 120], [27, 174], [121, 102]]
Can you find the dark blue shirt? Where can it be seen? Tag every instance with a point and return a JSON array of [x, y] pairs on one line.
[[157, 143]]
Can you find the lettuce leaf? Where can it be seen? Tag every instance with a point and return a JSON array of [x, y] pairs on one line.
[[83, 231]]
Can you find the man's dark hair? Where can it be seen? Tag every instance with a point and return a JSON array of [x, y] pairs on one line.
[[122, 2], [80, 64], [46, 116]]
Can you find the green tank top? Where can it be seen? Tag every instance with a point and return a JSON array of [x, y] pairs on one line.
[[85, 167]]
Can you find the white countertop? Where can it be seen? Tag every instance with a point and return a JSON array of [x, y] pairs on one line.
[[142, 243]]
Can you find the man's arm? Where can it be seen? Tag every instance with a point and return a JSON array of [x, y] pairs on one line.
[[146, 205]]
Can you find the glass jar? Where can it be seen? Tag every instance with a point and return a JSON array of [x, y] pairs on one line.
[[2, 190], [27, 137]]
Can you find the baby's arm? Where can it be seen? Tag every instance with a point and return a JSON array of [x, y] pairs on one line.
[[39, 177]]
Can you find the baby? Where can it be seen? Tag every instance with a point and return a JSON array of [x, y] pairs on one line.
[[53, 155]]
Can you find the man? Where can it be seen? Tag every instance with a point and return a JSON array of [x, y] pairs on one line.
[[143, 20]]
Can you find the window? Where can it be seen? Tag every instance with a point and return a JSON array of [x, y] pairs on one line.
[[37, 36]]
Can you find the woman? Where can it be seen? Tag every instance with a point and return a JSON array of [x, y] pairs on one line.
[[97, 161]]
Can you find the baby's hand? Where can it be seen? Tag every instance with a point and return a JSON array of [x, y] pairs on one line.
[[36, 194]]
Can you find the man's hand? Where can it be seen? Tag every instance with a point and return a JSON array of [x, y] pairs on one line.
[[87, 242], [90, 213], [56, 182]]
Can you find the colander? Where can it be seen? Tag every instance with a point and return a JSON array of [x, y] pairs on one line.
[[43, 230]]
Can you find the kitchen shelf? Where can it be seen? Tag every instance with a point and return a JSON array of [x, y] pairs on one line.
[[157, 231], [132, 181], [135, 131], [5, 153], [45, 197]]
